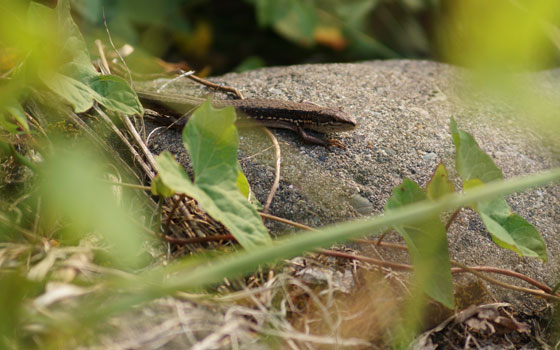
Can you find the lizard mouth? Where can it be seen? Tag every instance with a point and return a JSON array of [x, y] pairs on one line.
[[335, 126]]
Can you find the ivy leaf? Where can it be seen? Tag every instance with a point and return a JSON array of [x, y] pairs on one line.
[[75, 92], [427, 244], [511, 231], [158, 188], [77, 81], [115, 94], [471, 161], [507, 229], [74, 46], [242, 183], [439, 185], [210, 138]]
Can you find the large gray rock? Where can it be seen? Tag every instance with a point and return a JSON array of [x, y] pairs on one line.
[[403, 110]]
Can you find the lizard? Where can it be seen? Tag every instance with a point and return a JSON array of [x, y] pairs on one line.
[[295, 116]]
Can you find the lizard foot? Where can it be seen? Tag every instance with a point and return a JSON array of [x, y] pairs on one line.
[[335, 143]]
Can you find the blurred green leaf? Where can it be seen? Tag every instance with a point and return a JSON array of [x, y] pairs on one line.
[[91, 10], [294, 19], [148, 11], [242, 183], [5, 148], [427, 243], [270, 11], [250, 63], [507, 229], [78, 62], [210, 138], [439, 185], [499, 36], [147, 23], [158, 188], [354, 12], [72, 187], [14, 288], [77, 81], [12, 116]]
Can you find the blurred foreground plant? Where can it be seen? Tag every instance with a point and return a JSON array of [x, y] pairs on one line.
[[498, 41], [69, 200]]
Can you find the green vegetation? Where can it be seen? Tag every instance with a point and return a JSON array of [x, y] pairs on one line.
[[211, 140], [66, 202], [219, 36]]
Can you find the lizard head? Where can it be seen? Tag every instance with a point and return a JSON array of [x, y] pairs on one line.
[[332, 120]]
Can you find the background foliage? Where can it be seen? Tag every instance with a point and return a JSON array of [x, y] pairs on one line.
[[224, 35]]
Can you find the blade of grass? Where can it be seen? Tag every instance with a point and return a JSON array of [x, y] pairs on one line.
[[186, 275]]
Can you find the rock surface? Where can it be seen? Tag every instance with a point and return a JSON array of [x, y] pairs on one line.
[[403, 110]]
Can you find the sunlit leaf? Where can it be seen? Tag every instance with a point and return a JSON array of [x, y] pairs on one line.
[[507, 229], [158, 188], [439, 185], [242, 183], [211, 141]]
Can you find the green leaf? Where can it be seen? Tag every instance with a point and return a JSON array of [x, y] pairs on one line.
[[211, 140], [111, 91], [439, 185], [294, 19], [78, 94], [427, 243], [74, 44], [116, 95], [354, 12], [91, 10], [158, 188], [299, 24], [70, 186], [510, 230], [471, 161], [472, 183], [270, 11], [507, 229], [242, 183], [12, 116], [77, 81]]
